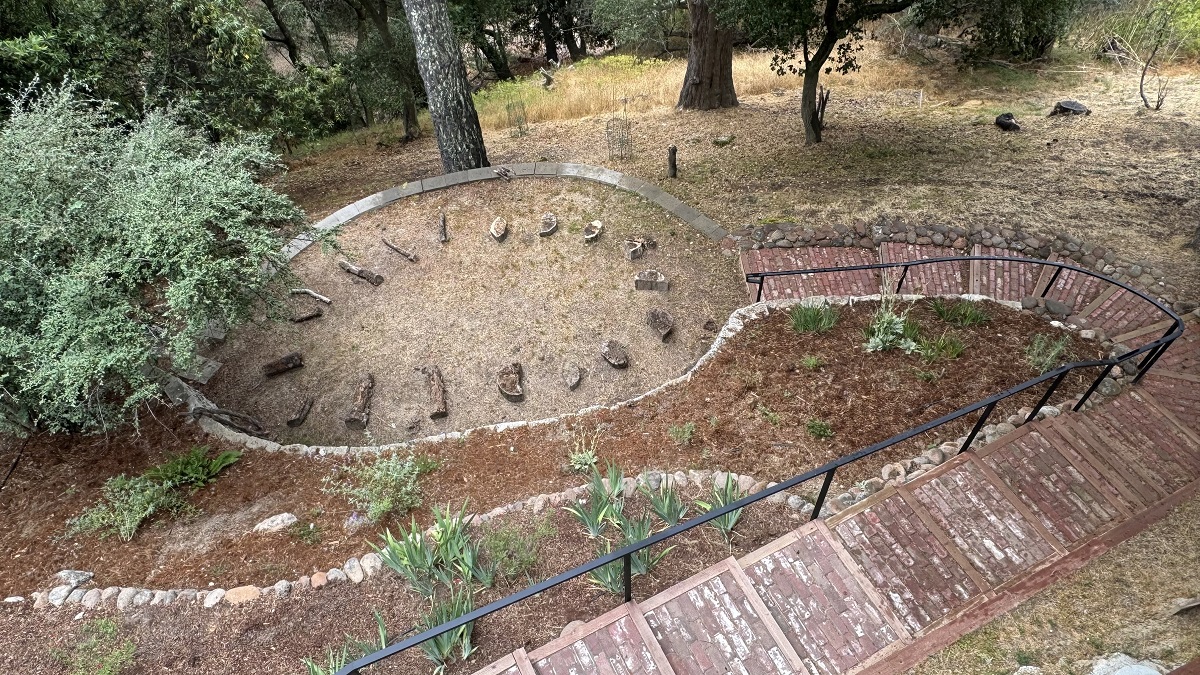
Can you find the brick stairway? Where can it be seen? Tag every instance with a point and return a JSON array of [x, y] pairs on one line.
[[878, 586]]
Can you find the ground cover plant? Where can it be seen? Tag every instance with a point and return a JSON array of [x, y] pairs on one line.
[[383, 486], [99, 651]]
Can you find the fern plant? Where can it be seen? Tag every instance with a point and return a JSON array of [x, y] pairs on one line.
[[193, 469]]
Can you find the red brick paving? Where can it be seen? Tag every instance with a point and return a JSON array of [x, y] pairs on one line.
[[859, 282], [950, 278], [612, 644], [1076, 289], [1005, 280]]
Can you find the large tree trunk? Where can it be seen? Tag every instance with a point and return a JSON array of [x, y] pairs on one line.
[[439, 58], [285, 35], [495, 54], [808, 105], [708, 82], [546, 26]]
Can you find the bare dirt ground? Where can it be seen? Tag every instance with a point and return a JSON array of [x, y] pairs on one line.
[[473, 306]]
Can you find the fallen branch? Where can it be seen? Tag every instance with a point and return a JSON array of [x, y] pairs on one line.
[[412, 257], [230, 419], [372, 277], [309, 291]]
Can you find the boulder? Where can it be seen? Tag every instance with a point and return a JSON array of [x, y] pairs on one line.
[[1029, 302], [276, 523], [661, 322], [354, 570], [508, 381], [615, 353], [241, 594], [372, 564], [74, 578], [1057, 308], [650, 280], [1070, 108], [214, 596]]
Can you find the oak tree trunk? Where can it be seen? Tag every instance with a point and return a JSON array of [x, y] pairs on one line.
[[708, 82], [439, 58], [546, 26], [808, 106], [285, 35]]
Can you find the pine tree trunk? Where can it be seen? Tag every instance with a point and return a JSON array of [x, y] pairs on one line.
[[439, 58], [708, 82]]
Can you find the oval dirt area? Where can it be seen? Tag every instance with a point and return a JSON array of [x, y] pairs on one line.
[[473, 306]]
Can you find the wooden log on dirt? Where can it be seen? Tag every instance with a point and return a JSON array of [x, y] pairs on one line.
[[437, 393], [283, 364], [443, 233], [307, 316], [412, 257], [360, 409], [372, 277], [301, 413], [672, 167], [312, 293]]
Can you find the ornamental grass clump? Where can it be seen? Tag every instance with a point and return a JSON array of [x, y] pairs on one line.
[[813, 318]]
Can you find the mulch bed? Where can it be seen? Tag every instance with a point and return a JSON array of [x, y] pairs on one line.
[[864, 397]]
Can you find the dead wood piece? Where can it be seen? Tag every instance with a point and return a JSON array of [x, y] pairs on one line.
[[437, 393], [443, 233], [412, 257], [308, 316], [360, 409], [234, 420], [371, 276], [498, 229], [504, 172], [508, 380], [301, 413], [310, 292], [283, 364]]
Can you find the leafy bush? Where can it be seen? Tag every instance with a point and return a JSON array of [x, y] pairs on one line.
[[945, 346], [813, 318], [682, 434], [1021, 30], [99, 653], [963, 313], [819, 429], [512, 552], [390, 484], [122, 242], [193, 469], [1045, 353], [890, 330], [723, 496], [125, 505]]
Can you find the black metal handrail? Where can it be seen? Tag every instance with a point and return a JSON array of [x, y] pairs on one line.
[[1152, 350]]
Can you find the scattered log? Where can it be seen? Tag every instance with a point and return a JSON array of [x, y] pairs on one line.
[[360, 409], [412, 257], [672, 168], [437, 392], [307, 316], [651, 280], [301, 413], [498, 229], [443, 233], [634, 249], [661, 322], [549, 225], [572, 374], [309, 291], [592, 231], [615, 353], [1007, 122], [234, 420], [508, 381], [372, 277], [283, 364]]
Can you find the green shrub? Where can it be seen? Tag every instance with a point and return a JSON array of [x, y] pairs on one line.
[[387, 485], [1045, 353], [945, 346], [433, 562], [722, 496], [125, 504], [962, 313], [682, 434], [812, 362], [99, 652], [813, 318], [890, 330], [512, 552], [769, 415], [819, 429], [610, 577], [193, 469]]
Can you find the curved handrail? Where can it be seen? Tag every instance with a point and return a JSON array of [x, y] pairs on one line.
[[1152, 350]]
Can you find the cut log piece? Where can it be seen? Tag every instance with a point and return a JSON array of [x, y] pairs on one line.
[[1070, 108], [572, 374], [661, 322], [311, 293], [443, 233], [508, 381], [650, 280], [301, 413], [412, 257], [1007, 122], [437, 393], [498, 229], [371, 276], [283, 364], [360, 410], [591, 231], [549, 225], [633, 249], [615, 353], [307, 316]]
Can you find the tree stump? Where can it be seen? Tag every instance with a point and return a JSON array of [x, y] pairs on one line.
[[498, 229], [508, 381], [615, 353], [1007, 122], [592, 231], [633, 249], [301, 413], [283, 364], [572, 374], [661, 322], [672, 168], [549, 225], [412, 257], [307, 316], [437, 393], [651, 280], [360, 410], [1070, 108], [443, 233], [372, 277]]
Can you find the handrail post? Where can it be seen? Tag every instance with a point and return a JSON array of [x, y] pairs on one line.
[[978, 425], [1053, 278], [1046, 396], [1152, 356], [824, 491], [903, 274], [761, 280], [1092, 389], [627, 576]]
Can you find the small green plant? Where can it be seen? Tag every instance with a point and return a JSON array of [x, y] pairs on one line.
[[1025, 658], [812, 362], [634, 530], [769, 415], [682, 433], [307, 533], [99, 652], [608, 577], [125, 504], [813, 318], [890, 330], [962, 313], [724, 495], [441, 649], [582, 457], [193, 469], [666, 503], [387, 485], [1045, 353], [928, 375], [819, 429], [412, 557], [594, 514], [514, 553], [455, 550], [335, 660], [713, 422], [437, 560], [945, 346]]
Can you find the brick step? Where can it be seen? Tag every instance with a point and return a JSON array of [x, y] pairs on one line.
[[1178, 397], [1183, 356], [952, 278], [854, 283], [1003, 280], [617, 643], [1122, 316], [1147, 448], [1075, 289]]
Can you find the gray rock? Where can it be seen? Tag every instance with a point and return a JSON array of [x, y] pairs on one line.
[[1049, 411], [283, 588], [934, 455], [1029, 302], [1005, 428], [1027, 670], [58, 594], [109, 593], [143, 597], [722, 141], [1087, 334], [160, 598], [679, 479], [74, 578], [214, 596], [186, 596], [39, 600], [572, 374], [615, 353], [892, 471], [76, 596], [91, 599], [14, 599], [335, 574], [796, 502], [1057, 308], [354, 570], [1123, 664], [371, 564], [276, 523], [1109, 387]]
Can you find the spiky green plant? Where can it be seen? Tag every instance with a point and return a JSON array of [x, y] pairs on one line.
[[724, 495], [593, 514], [454, 550], [666, 503], [412, 557], [634, 530], [441, 649], [813, 318], [608, 577]]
